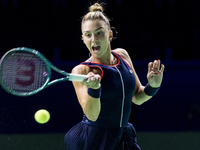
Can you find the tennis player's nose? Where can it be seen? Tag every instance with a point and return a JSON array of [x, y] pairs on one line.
[[94, 38]]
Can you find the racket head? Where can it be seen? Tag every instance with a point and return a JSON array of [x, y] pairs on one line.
[[24, 71]]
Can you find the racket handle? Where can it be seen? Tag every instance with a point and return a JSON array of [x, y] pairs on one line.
[[77, 77]]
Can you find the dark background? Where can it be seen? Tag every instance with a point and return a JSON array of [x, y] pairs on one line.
[[148, 29]]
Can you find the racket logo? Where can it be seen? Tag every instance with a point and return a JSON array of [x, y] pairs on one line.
[[25, 72]]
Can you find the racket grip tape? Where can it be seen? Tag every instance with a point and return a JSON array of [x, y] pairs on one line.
[[77, 77]]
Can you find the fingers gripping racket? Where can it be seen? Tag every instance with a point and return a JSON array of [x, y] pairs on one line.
[[25, 71]]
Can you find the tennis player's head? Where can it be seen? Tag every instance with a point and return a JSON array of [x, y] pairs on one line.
[[96, 12], [96, 30]]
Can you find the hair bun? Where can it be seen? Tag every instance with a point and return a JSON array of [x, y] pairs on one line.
[[96, 7]]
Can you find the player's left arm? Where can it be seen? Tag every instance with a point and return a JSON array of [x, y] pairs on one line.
[[154, 77]]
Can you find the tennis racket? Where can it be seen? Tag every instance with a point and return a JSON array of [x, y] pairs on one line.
[[25, 71]]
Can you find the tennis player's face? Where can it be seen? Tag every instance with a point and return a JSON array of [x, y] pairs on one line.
[[96, 37]]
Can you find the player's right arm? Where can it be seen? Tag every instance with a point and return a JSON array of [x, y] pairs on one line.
[[91, 106]]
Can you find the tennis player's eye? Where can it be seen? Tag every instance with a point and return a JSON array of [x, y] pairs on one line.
[[88, 35], [100, 33]]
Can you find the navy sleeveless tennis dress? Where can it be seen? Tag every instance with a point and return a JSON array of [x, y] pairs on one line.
[[111, 131]]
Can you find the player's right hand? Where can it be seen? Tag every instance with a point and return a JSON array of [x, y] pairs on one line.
[[93, 81]]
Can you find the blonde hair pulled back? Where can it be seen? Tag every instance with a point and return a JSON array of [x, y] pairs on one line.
[[96, 12]]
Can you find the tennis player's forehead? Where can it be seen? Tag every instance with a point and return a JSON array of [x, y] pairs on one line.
[[93, 25]]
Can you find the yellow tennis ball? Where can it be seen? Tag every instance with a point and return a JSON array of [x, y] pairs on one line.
[[42, 116]]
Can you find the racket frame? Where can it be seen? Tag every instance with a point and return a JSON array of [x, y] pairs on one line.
[[50, 67]]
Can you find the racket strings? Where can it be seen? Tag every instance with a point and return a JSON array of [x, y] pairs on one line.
[[23, 72]]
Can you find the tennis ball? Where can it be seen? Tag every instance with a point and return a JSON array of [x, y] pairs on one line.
[[42, 116]]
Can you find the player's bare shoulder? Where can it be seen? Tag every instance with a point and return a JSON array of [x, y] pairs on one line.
[[81, 69], [122, 52], [84, 69]]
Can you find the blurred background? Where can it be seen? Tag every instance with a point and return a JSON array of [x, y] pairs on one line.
[[148, 29]]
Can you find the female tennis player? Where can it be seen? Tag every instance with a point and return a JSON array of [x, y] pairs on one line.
[[106, 97]]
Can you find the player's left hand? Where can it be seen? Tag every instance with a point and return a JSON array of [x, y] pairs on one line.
[[155, 73]]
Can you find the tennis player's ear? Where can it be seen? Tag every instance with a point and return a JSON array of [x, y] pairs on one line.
[[111, 35]]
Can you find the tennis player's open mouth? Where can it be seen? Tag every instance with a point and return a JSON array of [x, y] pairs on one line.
[[96, 48]]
